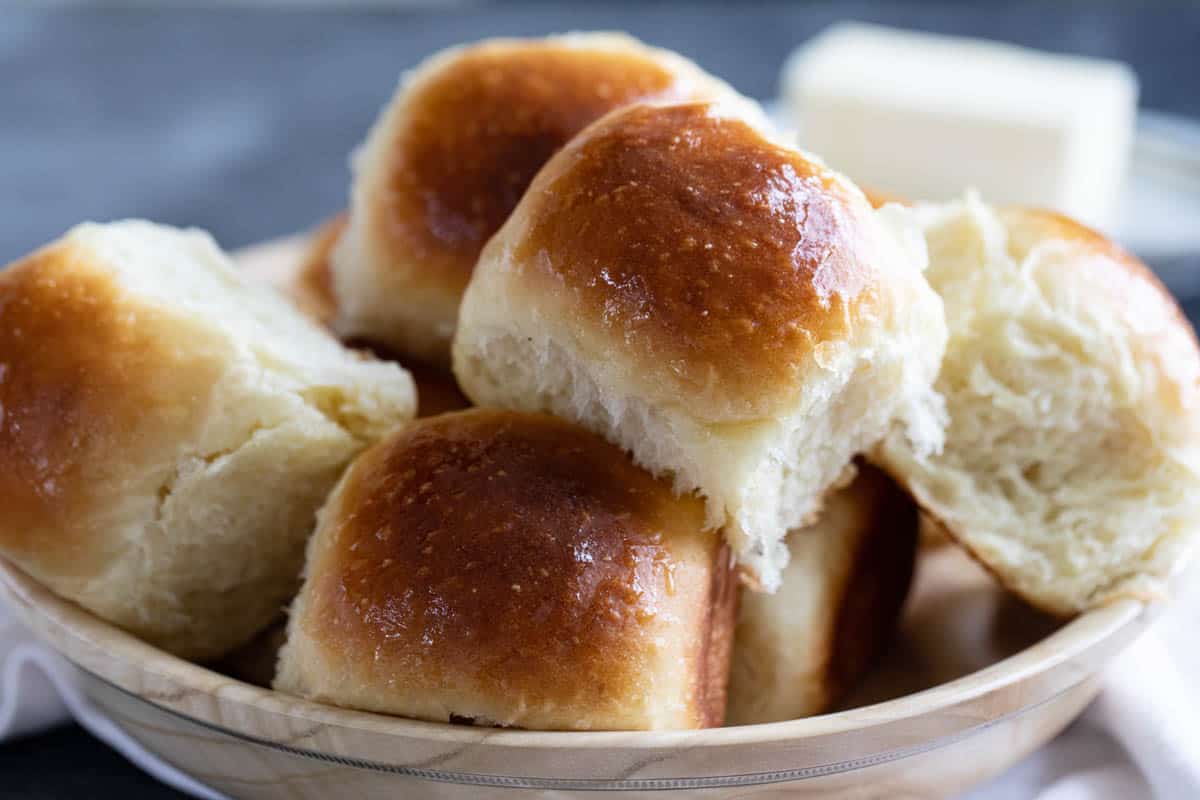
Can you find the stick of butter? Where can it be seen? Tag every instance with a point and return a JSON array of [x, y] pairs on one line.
[[925, 116]]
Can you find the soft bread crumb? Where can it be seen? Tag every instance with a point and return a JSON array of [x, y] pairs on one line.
[[1072, 449]]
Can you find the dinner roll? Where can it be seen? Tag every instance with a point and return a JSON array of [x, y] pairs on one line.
[[312, 288], [798, 651], [722, 305], [452, 153], [1071, 467], [512, 569], [168, 430], [437, 388]]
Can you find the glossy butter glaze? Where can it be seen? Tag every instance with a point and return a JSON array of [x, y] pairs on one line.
[[477, 129], [515, 560], [702, 246]]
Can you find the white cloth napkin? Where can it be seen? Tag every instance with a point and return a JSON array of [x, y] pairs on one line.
[[1140, 739], [38, 690]]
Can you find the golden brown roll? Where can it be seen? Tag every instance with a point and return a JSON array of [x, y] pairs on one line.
[[512, 569], [1071, 467], [797, 652], [312, 288], [720, 304], [168, 431], [452, 154]]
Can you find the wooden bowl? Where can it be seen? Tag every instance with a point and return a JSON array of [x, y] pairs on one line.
[[250, 742], [974, 682]]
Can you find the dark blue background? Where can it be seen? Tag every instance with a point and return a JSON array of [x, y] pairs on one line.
[[240, 122]]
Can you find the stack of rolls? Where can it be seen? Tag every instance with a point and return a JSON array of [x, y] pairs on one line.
[[453, 153], [716, 390]]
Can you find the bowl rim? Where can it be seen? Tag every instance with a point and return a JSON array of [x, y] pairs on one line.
[[101, 649]]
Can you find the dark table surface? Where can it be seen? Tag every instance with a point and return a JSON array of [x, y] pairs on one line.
[[240, 122]]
